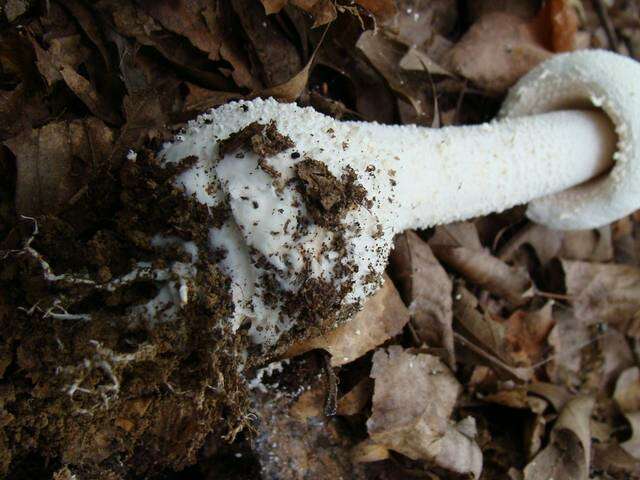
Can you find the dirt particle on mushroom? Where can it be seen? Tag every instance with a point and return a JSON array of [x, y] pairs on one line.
[[264, 140], [328, 198]]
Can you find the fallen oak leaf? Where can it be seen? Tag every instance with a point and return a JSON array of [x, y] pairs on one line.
[[414, 397]]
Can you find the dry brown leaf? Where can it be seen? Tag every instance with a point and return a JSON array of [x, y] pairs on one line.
[[427, 289], [48, 160], [496, 51], [588, 245], [309, 404], [525, 9], [534, 431], [416, 60], [612, 460], [527, 333], [627, 392], [14, 8], [187, 18], [83, 15], [381, 9], [627, 397], [486, 332], [632, 446], [413, 399], [385, 55], [144, 114], [606, 293], [54, 69], [557, 395], [568, 453], [487, 271], [509, 397], [290, 90], [422, 23], [459, 234], [546, 243], [482, 338], [278, 58], [273, 6], [615, 357], [355, 399], [131, 21], [368, 451], [382, 318], [557, 24]]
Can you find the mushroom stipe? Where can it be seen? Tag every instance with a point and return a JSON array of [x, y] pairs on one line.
[[300, 242]]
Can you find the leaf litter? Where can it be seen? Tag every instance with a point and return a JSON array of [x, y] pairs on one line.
[[495, 348]]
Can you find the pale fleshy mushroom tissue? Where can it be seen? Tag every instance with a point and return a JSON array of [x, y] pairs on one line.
[[310, 224]]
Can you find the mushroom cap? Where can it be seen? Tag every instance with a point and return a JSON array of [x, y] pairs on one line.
[[588, 79]]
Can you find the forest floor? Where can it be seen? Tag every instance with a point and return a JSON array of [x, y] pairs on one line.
[[497, 348]]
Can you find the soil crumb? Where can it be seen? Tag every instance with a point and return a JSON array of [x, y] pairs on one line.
[[328, 198], [263, 140]]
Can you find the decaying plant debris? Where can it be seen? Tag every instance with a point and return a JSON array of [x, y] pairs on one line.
[[496, 348]]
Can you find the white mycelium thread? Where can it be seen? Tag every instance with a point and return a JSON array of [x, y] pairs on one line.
[[414, 178]]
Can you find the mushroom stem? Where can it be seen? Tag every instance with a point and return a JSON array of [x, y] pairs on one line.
[[455, 173]]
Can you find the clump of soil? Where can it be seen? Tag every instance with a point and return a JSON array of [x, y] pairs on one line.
[[326, 197], [263, 140], [86, 383]]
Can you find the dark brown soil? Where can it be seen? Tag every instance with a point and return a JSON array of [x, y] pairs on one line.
[[85, 383]]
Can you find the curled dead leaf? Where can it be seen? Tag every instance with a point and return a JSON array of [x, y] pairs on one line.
[[568, 453], [382, 318], [487, 271]]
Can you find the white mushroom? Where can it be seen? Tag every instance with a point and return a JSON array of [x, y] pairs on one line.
[[310, 227]]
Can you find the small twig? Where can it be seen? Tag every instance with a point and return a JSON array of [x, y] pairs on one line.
[[331, 403], [607, 24]]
